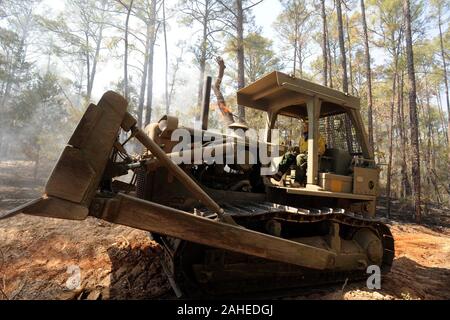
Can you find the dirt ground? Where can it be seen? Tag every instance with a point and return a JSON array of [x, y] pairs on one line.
[[40, 256]]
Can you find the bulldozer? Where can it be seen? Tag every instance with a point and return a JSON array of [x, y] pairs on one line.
[[228, 229]]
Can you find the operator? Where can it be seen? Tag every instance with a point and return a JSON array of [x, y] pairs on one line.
[[302, 158], [297, 158]]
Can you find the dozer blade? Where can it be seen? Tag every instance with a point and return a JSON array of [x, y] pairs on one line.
[[153, 217], [21, 209], [74, 180], [50, 207]]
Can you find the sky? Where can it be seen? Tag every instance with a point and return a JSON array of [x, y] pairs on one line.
[[265, 14]]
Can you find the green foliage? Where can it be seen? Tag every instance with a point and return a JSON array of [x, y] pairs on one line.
[[260, 57], [294, 28], [40, 118]]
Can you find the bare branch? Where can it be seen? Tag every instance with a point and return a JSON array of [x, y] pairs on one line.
[[228, 8], [226, 113], [252, 5]]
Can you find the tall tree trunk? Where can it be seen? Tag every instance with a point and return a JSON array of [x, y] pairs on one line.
[[294, 71], [148, 114], [350, 70], [368, 73], [324, 44], [446, 90], [98, 42], [200, 86], [88, 65], [325, 64], [431, 147], [391, 136], [330, 61], [429, 124], [151, 53], [166, 83], [414, 123], [240, 52], [441, 113], [389, 169], [432, 167], [342, 46], [202, 63], [148, 40], [348, 124], [423, 137], [125, 62], [94, 62], [300, 59], [406, 187]]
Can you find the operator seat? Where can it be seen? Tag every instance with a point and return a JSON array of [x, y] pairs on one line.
[[339, 161]]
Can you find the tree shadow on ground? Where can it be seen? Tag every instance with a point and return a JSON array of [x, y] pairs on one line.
[[136, 273]]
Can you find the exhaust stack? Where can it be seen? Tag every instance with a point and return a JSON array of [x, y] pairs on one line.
[[205, 102]]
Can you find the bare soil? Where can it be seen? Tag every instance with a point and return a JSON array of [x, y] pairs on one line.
[[37, 255]]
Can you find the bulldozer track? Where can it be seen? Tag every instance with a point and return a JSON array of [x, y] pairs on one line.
[[175, 251]]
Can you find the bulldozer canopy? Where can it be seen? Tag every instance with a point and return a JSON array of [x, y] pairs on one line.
[[280, 93]]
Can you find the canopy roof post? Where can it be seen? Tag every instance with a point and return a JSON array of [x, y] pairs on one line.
[[313, 105], [270, 122]]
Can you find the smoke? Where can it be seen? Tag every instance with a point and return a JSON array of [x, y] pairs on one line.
[[36, 132]]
